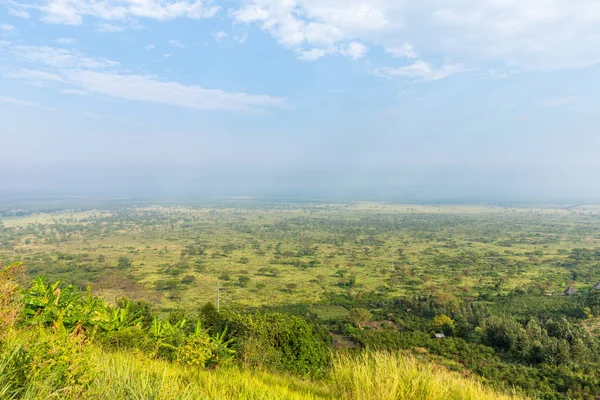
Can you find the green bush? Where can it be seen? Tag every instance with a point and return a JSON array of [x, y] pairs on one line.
[[50, 362], [127, 338], [278, 341], [196, 351]]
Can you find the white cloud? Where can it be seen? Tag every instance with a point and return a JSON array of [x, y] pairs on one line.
[[149, 47], [354, 50], [72, 12], [527, 34], [312, 55], [33, 77], [6, 27], [166, 55], [406, 50], [151, 89], [66, 41], [421, 70], [61, 58], [218, 35], [109, 28], [18, 13], [176, 43], [79, 74], [556, 102], [18, 102]]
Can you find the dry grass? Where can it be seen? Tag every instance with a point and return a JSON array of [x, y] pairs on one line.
[[9, 301], [384, 376], [131, 375]]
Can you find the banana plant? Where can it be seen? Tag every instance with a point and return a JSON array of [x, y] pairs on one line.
[[119, 318], [167, 337], [222, 353], [49, 305]]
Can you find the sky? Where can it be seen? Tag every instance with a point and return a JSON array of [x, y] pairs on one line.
[[427, 98]]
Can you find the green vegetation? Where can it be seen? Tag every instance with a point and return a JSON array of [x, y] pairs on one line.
[[304, 288], [59, 343]]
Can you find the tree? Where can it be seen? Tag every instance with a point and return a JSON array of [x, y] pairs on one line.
[[359, 316], [443, 323], [243, 280], [124, 262]]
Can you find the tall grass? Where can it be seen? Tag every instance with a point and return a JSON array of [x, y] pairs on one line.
[[126, 375], [384, 376], [57, 374]]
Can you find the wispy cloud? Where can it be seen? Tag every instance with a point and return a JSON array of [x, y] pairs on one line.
[[150, 89], [17, 102], [79, 74], [6, 27], [421, 70], [33, 77], [176, 43], [312, 54], [18, 13], [71, 12], [149, 47], [407, 50], [60, 57], [109, 28], [218, 35], [66, 41]]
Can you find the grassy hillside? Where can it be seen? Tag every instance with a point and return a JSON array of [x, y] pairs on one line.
[[70, 369], [57, 343]]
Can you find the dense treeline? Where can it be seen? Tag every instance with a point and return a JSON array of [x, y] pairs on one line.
[[546, 348]]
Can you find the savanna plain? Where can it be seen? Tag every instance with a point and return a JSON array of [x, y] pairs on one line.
[[299, 300]]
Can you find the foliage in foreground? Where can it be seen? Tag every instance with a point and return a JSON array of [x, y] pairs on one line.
[[54, 353], [38, 363]]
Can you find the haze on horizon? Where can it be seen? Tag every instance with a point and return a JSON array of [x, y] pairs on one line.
[[351, 99]]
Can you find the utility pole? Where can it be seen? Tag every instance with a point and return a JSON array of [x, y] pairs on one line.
[[218, 298]]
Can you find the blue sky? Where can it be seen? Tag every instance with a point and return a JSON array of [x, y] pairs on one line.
[[503, 85]]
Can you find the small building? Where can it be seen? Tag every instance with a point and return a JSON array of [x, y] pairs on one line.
[[570, 291], [439, 336], [596, 286]]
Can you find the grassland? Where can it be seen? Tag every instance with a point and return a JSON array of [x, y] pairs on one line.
[[292, 253], [493, 274]]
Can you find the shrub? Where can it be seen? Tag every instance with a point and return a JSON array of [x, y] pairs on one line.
[[48, 362], [278, 341], [126, 338], [196, 351], [359, 316]]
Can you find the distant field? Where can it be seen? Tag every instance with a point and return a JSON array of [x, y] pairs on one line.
[[296, 253]]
